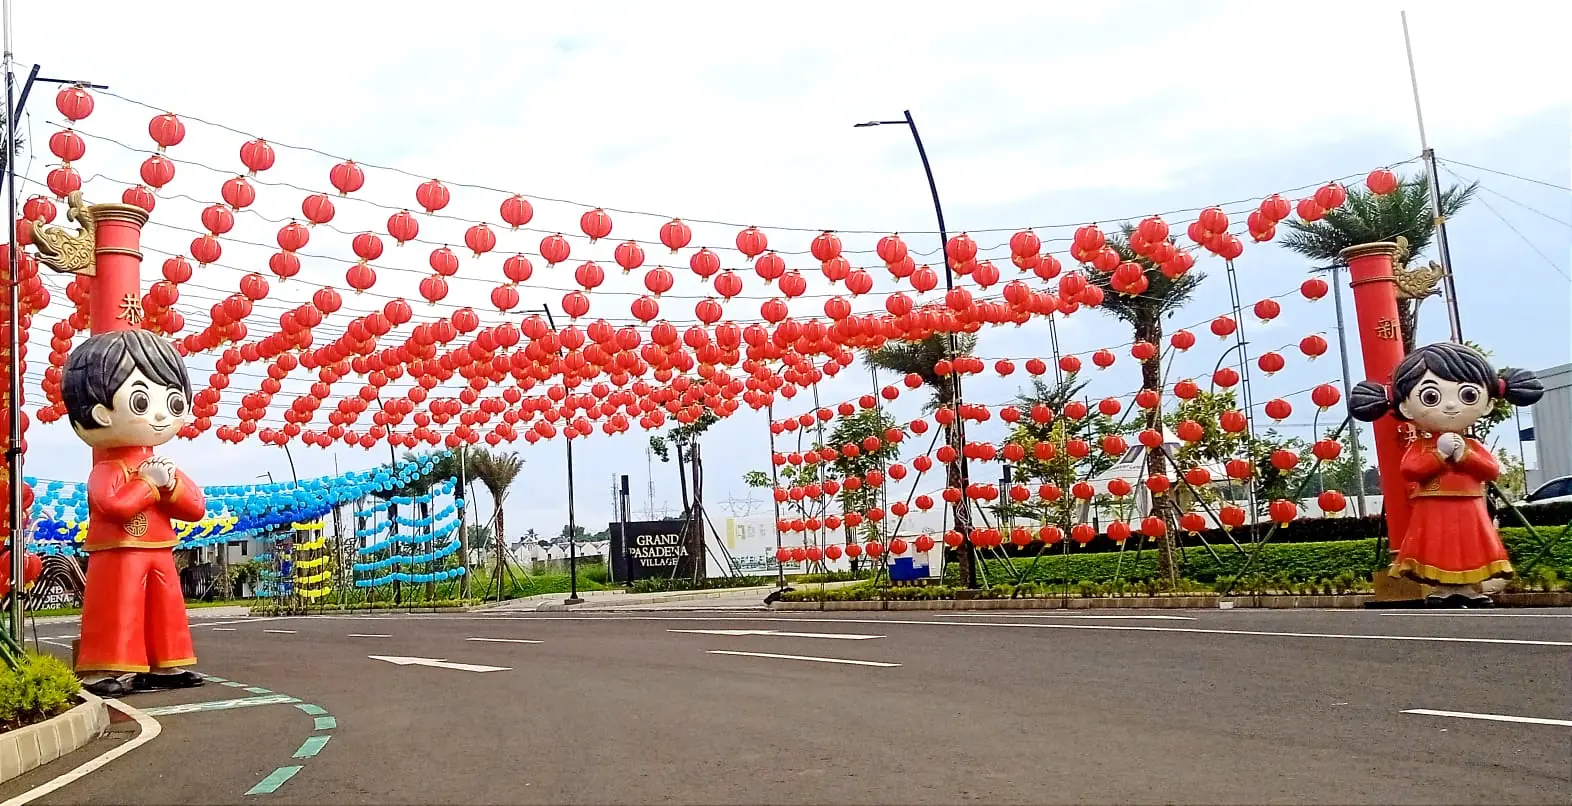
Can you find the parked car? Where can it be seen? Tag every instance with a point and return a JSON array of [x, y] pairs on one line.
[[1554, 491]]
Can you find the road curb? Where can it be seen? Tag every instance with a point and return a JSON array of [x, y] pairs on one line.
[[148, 730], [1197, 602], [26, 749]]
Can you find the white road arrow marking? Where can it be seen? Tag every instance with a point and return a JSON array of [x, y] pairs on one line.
[[781, 634], [1527, 720], [437, 663], [805, 657]]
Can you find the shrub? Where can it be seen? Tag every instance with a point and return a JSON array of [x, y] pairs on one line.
[[42, 687]]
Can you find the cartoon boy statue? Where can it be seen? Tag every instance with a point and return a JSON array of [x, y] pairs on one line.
[[126, 392]]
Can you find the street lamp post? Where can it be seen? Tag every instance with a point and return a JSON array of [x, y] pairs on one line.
[[573, 544], [963, 515]]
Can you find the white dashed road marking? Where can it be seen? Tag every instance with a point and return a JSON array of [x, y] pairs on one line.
[[805, 657]]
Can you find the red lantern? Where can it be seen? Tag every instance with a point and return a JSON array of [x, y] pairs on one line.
[[1083, 533], [960, 249], [238, 193], [1191, 431], [1267, 309], [1197, 477], [218, 219], [675, 235], [1310, 211], [1186, 390], [1314, 288], [257, 156], [292, 237], [1223, 326], [1278, 409], [658, 280], [1331, 502], [554, 249], [1325, 396], [1182, 340], [752, 242], [403, 227], [1232, 516], [596, 224], [480, 239], [67, 145], [1285, 460], [1327, 450], [1233, 422], [1271, 362], [206, 249], [1192, 522], [1153, 527], [1226, 377], [73, 103], [360, 277], [1143, 351], [138, 196], [1088, 240], [432, 195], [1283, 511], [1103, 358], [1331, 196], [347, 177], [64, 181], [826, 247], [1381, 181], [517, 269], [1313, 346], [317, 208]]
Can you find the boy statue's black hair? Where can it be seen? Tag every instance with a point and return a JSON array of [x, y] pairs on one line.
[[98, 366]]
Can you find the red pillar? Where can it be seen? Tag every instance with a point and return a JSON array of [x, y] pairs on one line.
[[115, 299], [1381, 340]]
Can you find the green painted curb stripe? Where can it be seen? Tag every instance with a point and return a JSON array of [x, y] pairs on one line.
[[276, 779], [213, 678], [312, 746], [326, 723], [233, 684], [314, 710], [258, 690]]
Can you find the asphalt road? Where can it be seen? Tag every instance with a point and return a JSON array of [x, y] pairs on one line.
[[1050, 707]]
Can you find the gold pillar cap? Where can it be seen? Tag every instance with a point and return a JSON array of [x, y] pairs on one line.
[[112, 211], [1386, 248]]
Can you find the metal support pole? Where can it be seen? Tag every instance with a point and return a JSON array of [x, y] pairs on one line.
[[18, 541], [1348, 389], [1244, 380], [963, 513], [573, 543], [775, 482], [1433, 181]]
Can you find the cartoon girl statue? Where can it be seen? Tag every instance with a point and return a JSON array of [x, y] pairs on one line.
[[126, 392], [1443, 389]]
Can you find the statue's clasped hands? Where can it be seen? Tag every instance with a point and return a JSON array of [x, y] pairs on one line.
[[158, 471], [1451, 445]]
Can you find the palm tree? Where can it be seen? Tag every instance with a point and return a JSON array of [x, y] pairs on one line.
[[1144, 312], [1368, 218], [497, 471], [919, 358]]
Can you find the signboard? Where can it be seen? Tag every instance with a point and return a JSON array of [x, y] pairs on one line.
[[662, 549], [59, 585]]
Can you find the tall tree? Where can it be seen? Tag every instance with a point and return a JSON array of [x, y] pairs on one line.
[[684, 438], [919, 358], [497, 470], [1368, 218], [1144, 312]]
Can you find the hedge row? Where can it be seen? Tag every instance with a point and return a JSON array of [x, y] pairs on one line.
[[1300, 562]]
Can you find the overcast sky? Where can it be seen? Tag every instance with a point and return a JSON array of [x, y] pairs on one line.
[[1034, 114]]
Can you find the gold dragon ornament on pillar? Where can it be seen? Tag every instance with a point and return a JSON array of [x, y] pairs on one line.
[[63, 251]]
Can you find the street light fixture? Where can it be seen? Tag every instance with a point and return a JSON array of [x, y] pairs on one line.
[[963, 514]]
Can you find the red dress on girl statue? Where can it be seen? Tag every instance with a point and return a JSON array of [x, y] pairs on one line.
[[1450, 538]]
